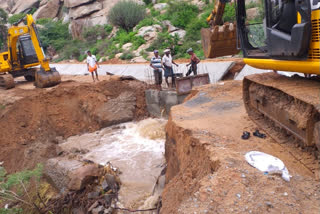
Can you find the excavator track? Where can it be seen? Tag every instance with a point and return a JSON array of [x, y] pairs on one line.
[[288, 109], [6, 81]]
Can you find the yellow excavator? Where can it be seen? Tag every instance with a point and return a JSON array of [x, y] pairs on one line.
[[24, 56], [285, 37]]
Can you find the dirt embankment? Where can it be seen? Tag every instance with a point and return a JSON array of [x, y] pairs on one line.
[[33, 121], [207, 171]]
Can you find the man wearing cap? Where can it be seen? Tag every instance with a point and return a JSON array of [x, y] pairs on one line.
[[194, 61], [156, 64], [167, 63]]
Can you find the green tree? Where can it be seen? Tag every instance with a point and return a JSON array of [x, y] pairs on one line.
[[126, 14], [3, 29]]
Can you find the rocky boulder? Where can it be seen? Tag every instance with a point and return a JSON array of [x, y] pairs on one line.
[[149, 33], [170, 27], [24, 5], [160, 6], [7, 5], [181, 33], [252, 13], [75, 3], [49, 10], [84, 10]]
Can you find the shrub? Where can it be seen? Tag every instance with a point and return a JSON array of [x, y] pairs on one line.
[[92, 34], [147, 22], [55, 34], [126, 56], [229, 13], [165, 40], [181, 13], [16, 17], [137, 42], [43, 21], [3, 28], [147, 1], [126, 14], [13, 187]]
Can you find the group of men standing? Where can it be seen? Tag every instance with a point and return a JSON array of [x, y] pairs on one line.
[[166, 63]]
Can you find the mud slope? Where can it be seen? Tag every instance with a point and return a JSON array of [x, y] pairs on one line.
[[33, 121], [207, 172]]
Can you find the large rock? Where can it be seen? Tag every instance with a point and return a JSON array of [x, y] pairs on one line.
[[25, 5], [75, 3], [84, 10], [7, 5], [67, 174], [160, 6], [181, 33], [149, 33], [49, 10], [99, 18], [117, 110], [170, 27]]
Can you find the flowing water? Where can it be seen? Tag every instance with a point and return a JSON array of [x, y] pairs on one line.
[[136, 149]]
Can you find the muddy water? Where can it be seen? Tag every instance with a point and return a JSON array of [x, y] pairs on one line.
[[136, 149]]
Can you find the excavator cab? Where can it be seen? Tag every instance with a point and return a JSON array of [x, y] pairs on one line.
[[27, 52], [282, 31]]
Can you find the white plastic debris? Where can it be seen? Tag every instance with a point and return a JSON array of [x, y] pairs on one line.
[[267, 163]]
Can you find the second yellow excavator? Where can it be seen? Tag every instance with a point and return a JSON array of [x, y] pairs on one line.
[[23, 57]]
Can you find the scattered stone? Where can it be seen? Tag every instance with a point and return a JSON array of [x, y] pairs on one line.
[[243, 175], [285, 194], [127, 46], [108, 211], [93, 195], [160, 6], [94, 205], [105, 186], [181, 33], [80, 177], [98, 210], [238, 195], [269, 204]]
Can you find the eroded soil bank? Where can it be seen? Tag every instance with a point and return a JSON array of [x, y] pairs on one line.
[[207, 171], [34, 121]]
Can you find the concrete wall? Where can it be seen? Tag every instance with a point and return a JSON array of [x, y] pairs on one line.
[[159, 103]]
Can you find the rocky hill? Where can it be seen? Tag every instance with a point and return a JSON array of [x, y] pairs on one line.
[[168, 24]]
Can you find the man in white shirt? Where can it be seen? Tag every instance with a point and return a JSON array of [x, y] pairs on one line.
[[167, 63], [92, 65]]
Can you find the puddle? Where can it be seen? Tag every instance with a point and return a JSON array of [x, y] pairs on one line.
[[137, 149]]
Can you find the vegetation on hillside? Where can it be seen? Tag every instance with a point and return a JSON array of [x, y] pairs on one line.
[[129, 17]]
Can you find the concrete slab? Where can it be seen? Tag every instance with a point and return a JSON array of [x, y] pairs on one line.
[[216, 70], [143, 72], [248, 70], [139, 71]]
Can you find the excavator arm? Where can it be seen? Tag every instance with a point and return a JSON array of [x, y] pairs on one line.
[[220, 39]]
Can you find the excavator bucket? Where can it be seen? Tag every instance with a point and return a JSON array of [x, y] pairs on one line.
[[44, 79], [219, 41]]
